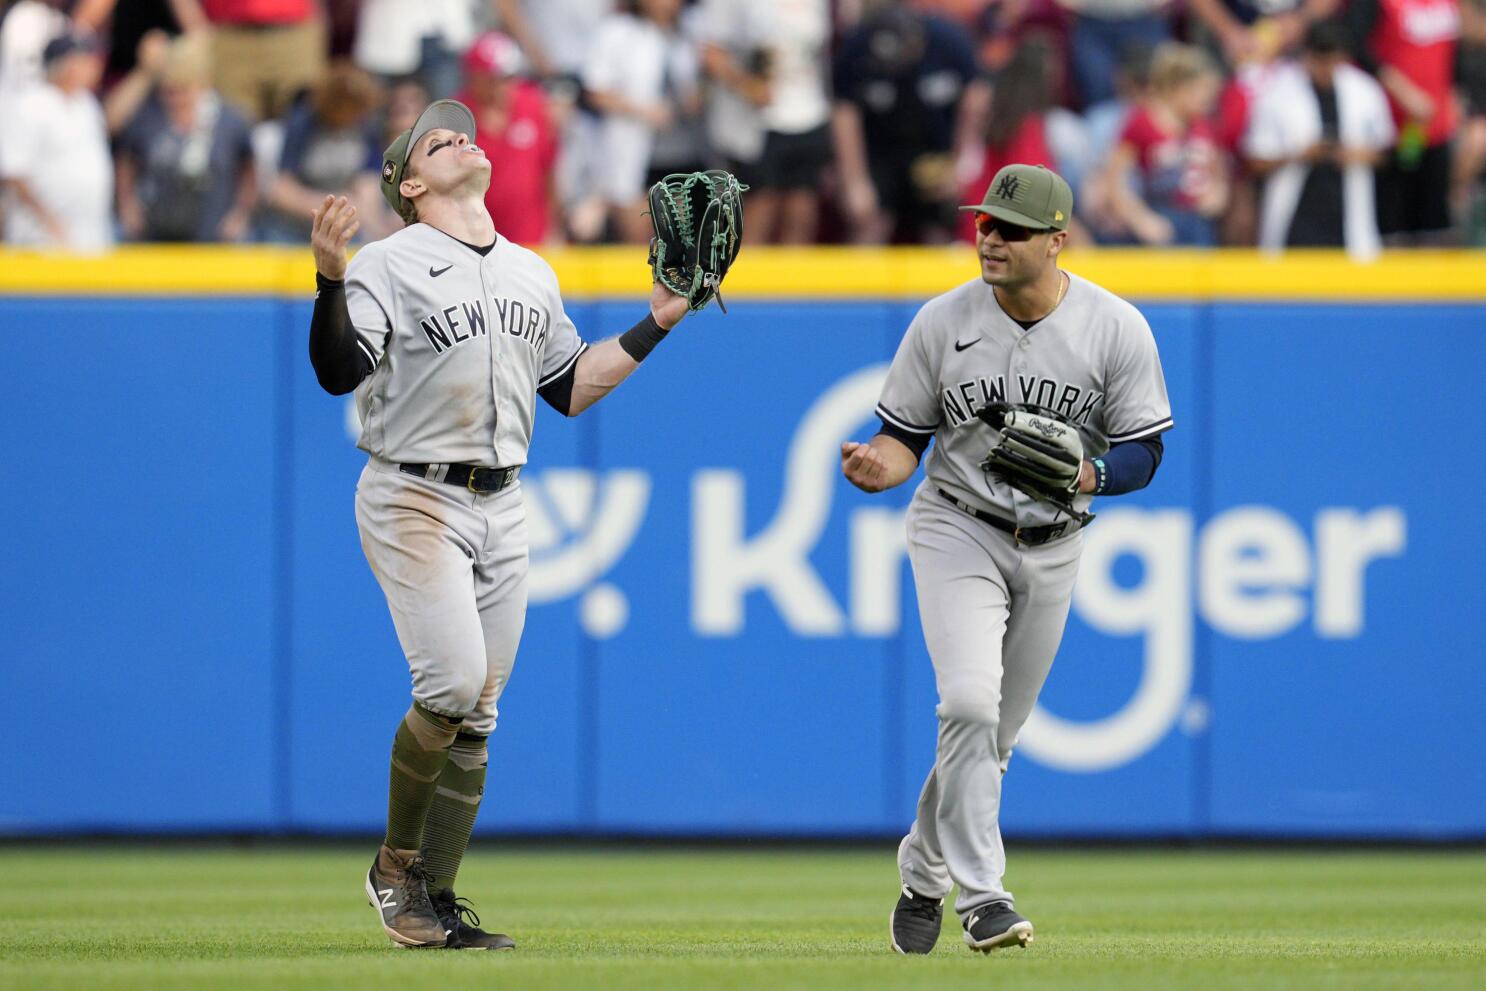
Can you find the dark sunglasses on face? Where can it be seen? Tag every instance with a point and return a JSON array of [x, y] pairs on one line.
[[985, 223]]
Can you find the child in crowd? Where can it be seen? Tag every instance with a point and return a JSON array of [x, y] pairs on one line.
[[1168, 143]]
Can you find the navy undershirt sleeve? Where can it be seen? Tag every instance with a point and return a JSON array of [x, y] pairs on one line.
[[340, 364], [1128, 466], [559, 392], [917, 443]]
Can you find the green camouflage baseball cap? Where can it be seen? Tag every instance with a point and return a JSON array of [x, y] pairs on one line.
[[448, 114], [1030, 195]]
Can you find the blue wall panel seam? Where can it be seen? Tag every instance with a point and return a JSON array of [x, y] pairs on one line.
[[1203, 508], [283, 515]]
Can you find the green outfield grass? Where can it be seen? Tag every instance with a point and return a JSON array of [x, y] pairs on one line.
[[140, 917]]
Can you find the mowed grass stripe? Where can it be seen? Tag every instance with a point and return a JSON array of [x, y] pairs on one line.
[[137, 917]]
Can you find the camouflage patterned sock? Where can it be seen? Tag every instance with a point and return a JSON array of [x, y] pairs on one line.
[[419, 752], [451, 816]]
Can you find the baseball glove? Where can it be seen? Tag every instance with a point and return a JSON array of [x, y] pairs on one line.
[[698, 221], [1040, 452]]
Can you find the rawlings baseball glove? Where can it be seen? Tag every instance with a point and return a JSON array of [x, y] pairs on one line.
[[1040, 452], [698, 221]]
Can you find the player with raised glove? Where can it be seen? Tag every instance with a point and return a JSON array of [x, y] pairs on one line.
[[413, 325], [1040, 452], [698, 222]]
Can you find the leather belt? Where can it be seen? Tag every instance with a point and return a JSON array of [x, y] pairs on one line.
[[1029, 535], [472, 477]]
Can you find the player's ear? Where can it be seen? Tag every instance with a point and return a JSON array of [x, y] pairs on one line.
[[411, 188], [1056, 242]]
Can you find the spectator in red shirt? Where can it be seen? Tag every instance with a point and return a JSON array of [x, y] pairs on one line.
[[1170, 144], [517, 135], [266, 52], [1410, 46]]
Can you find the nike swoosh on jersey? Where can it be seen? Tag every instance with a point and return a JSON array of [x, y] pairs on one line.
[[436, 272], [961, 347]]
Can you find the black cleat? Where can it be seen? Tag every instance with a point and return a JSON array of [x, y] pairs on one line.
[[915, 923], [996, 925], [464, 935], [396, 886]]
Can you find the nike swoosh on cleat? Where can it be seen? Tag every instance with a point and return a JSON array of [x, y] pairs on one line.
[[436, 272], [961, 347]]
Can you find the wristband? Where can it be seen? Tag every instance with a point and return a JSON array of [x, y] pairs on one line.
[[1101, 475], [642, 338], [322, 283]]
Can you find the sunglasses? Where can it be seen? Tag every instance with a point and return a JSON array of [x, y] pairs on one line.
[[985, 223]]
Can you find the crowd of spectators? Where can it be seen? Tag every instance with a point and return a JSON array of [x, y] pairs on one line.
[[1281, 123]]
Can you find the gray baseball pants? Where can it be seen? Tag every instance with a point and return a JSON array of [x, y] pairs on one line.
[[452, 564], [992, 614]]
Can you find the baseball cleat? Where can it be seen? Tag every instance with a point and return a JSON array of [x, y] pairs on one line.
[[400, 896], [995, 925], [466, 935], [915, 922]]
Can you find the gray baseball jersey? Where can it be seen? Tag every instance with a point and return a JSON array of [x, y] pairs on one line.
[[460, 343], [1093, 358]]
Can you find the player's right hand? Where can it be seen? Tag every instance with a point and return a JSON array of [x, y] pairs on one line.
[[863, 466], [335, 224]]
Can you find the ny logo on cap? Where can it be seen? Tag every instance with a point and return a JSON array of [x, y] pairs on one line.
[[389, 169], [1006, 189]]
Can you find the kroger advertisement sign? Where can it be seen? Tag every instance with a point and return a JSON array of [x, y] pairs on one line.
[[1275, 638]]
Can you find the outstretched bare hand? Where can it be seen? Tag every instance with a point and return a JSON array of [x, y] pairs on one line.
[[335, 224]]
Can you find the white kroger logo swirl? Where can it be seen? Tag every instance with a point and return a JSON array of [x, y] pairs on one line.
[[580, 523], [1253, 565]]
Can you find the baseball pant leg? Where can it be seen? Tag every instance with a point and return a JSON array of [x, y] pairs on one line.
[[501, 595], [417, 536], [964, 602], [1041, 592]]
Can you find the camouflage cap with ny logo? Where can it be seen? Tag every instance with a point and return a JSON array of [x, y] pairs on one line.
[[448, 114], [1030, 195]]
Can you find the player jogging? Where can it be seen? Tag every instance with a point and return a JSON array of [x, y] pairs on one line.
[[448, 332], [993, 555]]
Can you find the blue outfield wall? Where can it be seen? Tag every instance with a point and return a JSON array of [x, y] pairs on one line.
[[1278, 638]]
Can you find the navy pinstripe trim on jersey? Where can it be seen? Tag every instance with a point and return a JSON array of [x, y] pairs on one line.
[[564, 369], [1150, 431], [903, 424], [371, 359]]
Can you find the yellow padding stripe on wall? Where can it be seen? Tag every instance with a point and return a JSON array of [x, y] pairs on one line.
[[805, 273]]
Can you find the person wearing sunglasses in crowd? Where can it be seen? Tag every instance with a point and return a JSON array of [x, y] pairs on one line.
[[994, 568]]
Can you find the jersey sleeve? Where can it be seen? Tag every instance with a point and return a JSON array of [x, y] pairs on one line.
[[910, 396], [563, 347], [369, 300], [1135, 403]]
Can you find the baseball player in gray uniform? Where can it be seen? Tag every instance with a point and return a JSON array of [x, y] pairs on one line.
[[447, 332], [994, 568]]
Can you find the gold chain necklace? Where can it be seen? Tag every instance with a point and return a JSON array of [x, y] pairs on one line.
[[1063, 281]]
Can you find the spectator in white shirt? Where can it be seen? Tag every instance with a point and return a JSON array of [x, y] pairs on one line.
[[641, 75], [1316, 136], [770, 113], [423, 38], [554, 34], [55, 167]]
